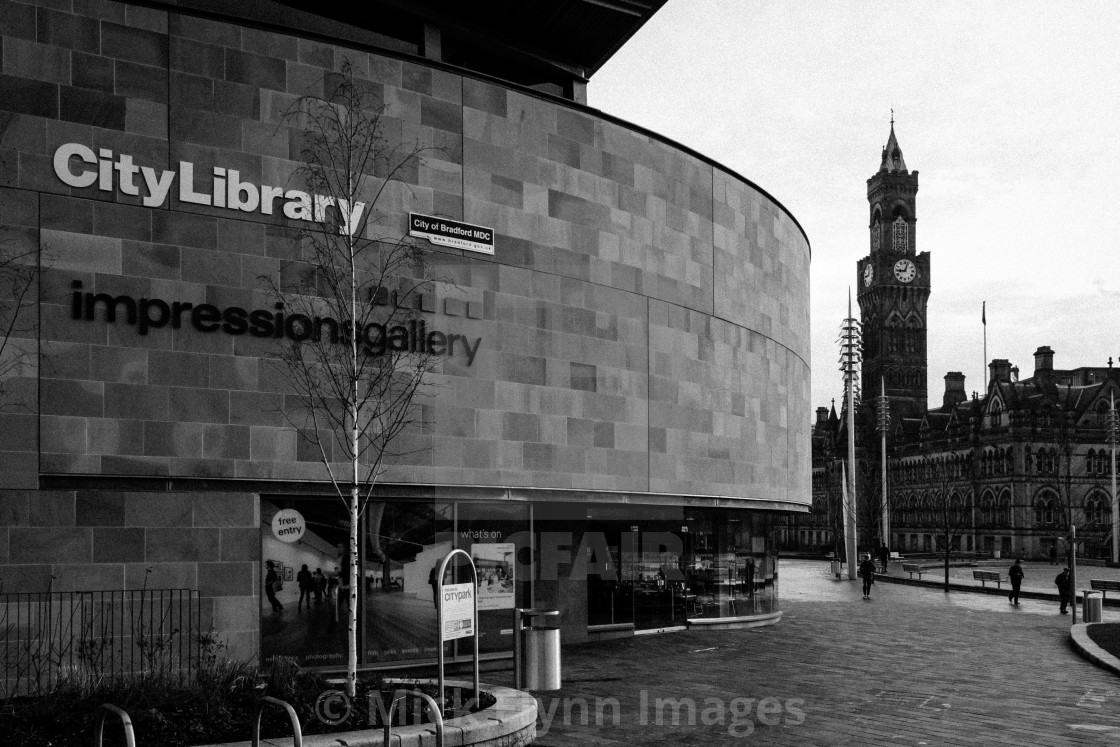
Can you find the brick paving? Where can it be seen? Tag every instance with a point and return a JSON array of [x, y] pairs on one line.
[[912, 666]]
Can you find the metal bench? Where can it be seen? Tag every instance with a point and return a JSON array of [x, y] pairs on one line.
[[895, 556], [913, 568], [1103, 585], [985, 576]]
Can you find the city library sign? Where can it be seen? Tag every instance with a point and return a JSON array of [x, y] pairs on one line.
[[145, 314], [78, 166]]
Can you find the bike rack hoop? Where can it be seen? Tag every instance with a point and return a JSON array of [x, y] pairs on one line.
[[297, 735], [105, 710]]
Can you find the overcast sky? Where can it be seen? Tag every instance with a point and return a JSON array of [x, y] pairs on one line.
[[1009, 111]]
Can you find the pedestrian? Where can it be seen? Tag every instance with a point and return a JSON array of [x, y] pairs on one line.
[[1016, 576], [884, 557], [867, 572], [271, 582], [1062, 582], [306, 587], [1054, 554], [434, 583], [320, 582]]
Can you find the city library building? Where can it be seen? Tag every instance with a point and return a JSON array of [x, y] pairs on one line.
[[617, 326]]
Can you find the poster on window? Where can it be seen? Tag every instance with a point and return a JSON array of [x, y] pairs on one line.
[[495, 566]]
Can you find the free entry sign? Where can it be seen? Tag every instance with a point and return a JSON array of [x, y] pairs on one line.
[[445, 232]]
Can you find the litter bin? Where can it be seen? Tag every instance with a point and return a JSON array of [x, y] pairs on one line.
[[537, 649], [1092, 606], [836, 568]]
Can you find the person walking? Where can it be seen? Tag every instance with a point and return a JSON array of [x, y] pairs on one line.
[[320, 582], [1016, 576], [306, 587], [1054, 554], [271, 581], [434, 583], [1062, 582], [884, 557], [867, 572]]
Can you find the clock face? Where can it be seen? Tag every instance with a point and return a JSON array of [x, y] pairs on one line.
[[905, 270], [868, 275]]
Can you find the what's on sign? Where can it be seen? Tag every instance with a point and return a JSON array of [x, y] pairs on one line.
[[457, 609], [445, 232], [288, 525]]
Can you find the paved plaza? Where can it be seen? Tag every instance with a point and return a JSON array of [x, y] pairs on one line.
[[912, 666]]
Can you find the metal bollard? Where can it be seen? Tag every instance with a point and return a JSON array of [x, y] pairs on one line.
[[1092, 606]]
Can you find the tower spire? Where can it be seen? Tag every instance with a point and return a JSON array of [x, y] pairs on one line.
[[892, 154]]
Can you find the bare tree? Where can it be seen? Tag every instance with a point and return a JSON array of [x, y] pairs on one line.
[[350, 356], [948, 512], [18, 275]]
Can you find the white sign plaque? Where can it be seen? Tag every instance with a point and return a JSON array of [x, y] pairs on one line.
[[457, 609]]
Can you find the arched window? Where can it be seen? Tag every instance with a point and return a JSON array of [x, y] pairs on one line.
[[1097, 511], [900, 235], [1091, 462], [987, 511], [1044, 510]]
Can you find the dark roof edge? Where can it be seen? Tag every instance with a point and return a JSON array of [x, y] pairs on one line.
[[173, 8]]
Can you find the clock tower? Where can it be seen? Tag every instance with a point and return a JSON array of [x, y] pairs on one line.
[[894, 285]]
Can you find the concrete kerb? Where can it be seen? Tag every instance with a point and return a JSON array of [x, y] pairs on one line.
[[1079, 636], [510, 722]]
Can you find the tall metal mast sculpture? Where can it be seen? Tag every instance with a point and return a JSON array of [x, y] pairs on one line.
[[849, 361], [1113, 437], [883, 424]]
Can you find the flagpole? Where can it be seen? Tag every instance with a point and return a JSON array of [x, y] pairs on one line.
[[984, 320]]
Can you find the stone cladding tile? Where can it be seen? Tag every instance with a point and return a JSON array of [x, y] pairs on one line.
[[50, 545], [116, 437], [226, 579], [23, 96], [137, 402], [158, 574], [240, 544], [68, 30], [179, 544]]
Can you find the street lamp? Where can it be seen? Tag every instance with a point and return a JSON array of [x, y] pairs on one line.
[[849, 359]]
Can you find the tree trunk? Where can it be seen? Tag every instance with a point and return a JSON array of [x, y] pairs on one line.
[[355, 580], [947, 551]]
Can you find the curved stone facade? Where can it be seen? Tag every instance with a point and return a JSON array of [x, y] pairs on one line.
[[643, 322]]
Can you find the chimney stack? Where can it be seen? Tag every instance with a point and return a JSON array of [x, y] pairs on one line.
[[1043, 360], [822, 416], [1000, 369], [954, 389]]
